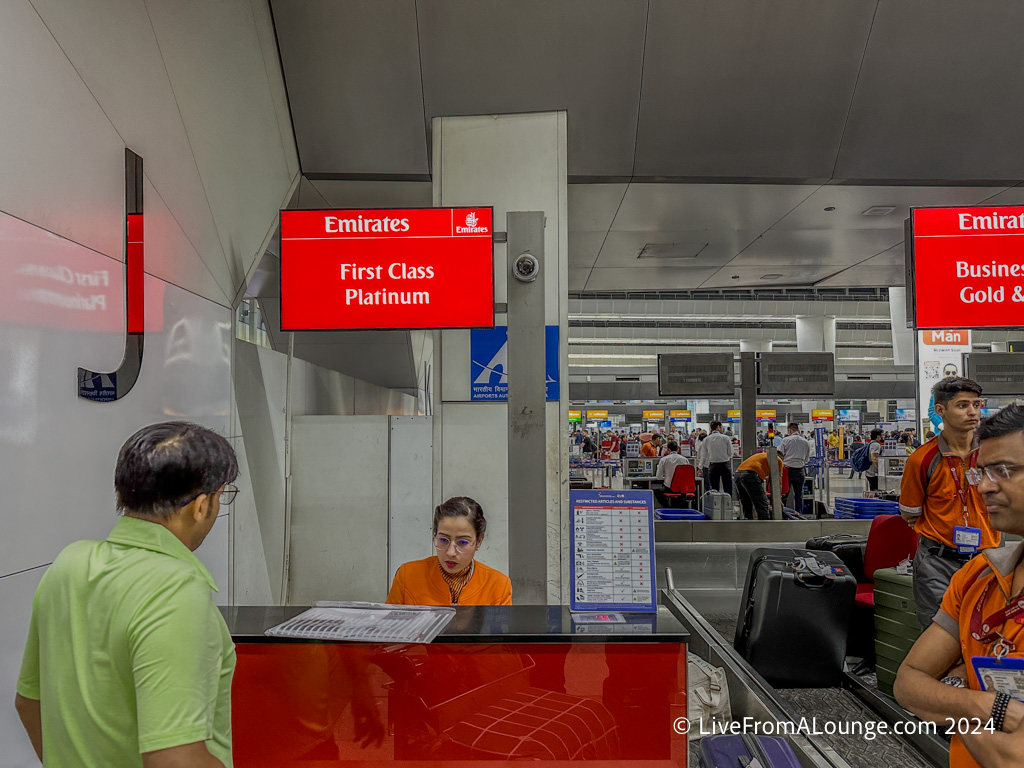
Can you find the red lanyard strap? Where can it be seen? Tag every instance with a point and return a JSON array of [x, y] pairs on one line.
[[985, 631], [956, 479]]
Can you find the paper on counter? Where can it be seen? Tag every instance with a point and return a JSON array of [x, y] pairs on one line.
[[366, 623]]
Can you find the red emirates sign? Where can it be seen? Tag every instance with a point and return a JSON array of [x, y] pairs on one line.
[[387, 269], [968, 266]]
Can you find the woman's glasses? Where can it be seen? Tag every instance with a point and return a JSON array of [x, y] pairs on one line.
[[442, 543]]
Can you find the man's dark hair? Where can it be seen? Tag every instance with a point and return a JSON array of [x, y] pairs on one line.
[[948, 388], [462, 506], [716, 425], [657, 436], [877, 433], [793, 427], [1009, 420], [163, 467], [673, 446]]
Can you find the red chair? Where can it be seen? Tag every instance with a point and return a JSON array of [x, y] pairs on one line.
[[684, 484], [890, 542]]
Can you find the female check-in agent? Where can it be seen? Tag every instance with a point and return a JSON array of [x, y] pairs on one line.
[[452, 577]]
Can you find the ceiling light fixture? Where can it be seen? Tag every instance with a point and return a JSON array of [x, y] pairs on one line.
[[830, 208], [772, 276], [879, 210]]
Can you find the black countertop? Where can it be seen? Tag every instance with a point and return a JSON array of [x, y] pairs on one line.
[[486, 624]]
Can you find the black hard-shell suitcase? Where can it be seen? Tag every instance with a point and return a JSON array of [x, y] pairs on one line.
[[848, 546], [794, 616]]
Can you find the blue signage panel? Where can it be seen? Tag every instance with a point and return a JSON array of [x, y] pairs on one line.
[[488, 366], [612, 543]]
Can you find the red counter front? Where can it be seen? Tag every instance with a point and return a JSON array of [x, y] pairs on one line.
[[453, 703]]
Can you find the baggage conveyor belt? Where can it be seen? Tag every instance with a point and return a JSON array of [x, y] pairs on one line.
[[854, 702]]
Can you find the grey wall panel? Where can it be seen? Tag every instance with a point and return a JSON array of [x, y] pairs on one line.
[[16, 597], [339, 508], [938, 74], [746, 89], [410, 490], [353, 75]]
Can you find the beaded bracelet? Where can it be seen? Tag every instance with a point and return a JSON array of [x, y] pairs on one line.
[[999, 710]]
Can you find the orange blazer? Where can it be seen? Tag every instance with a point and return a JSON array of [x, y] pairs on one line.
[[420, 583]]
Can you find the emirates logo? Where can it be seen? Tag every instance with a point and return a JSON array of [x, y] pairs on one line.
[[471, 219]]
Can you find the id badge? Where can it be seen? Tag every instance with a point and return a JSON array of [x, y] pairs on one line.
[[1004, 675], [967, 540]]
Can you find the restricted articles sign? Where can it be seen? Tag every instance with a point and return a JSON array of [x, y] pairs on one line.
[[387, 269]]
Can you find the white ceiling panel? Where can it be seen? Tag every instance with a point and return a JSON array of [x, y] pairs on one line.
[[886, 269], [592, 206], [938, 93], [578, 279], [648, 279], [715, 247], [707, 206], [851, 201], [584, 248], [748, 89], [752, 277], [842, 247], [375, 194], [507, 56]]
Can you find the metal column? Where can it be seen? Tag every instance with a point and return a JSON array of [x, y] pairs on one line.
[[527, 436], [748, 405]]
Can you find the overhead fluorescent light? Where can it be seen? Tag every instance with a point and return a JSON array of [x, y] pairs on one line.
[[879, 210], [772, 276]]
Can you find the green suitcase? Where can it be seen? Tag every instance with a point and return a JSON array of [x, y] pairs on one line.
[[896, 626]]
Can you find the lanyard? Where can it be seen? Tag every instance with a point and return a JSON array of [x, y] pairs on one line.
[[959, 486], [984, 631]]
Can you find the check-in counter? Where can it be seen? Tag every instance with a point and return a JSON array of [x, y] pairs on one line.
[[498, 684]]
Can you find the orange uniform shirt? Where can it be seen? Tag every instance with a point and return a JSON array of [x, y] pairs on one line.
[[648, 450], [939, 508], [419, 582], [954, 616], [758, 462]]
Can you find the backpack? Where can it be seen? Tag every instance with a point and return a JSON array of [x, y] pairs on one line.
[[860, 459]]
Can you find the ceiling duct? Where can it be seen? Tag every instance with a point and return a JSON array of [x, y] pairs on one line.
[[671, 250]]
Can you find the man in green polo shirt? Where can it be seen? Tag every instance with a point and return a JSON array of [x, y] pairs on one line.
[[128, 661]]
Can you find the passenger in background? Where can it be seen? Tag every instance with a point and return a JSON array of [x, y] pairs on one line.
[[874, 453], [750, 479], [795, 453], [855, 443], [976, 620], [452, 576], [666, 470], [946, 511], [650, 448], [716, 455]]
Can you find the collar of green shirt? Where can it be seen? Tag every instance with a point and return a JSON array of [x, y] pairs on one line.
[[135, 532]]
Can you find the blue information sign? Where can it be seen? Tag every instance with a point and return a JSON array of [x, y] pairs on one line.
[[488, 366], [612, 544]]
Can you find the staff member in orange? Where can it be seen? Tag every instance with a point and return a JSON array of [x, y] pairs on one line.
[[946, 511], [750, 478], [453, 576], [979, 621]]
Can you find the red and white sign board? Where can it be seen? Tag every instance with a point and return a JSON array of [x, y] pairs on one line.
[[377, 269], [968, 266]]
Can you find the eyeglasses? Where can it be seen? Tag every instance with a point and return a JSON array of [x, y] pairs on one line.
[[994, 472], [443, 542], [227, 496]]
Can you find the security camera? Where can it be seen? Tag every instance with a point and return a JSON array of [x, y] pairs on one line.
[[525, 268]]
